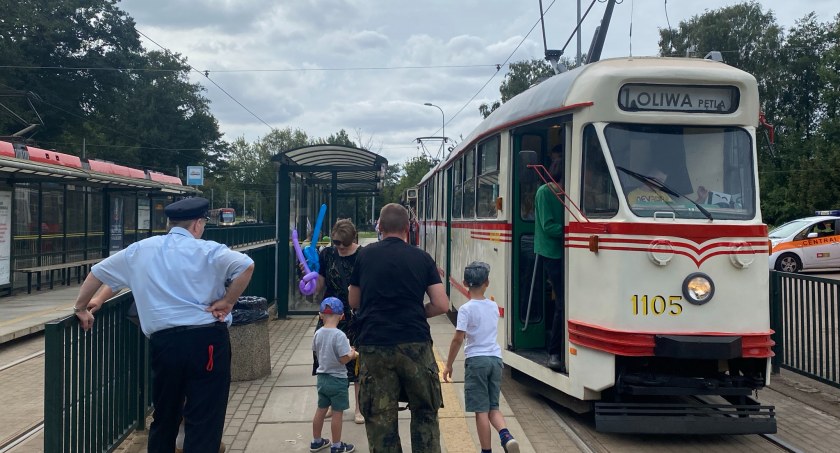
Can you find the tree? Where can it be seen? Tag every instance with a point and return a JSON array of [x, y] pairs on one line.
[[798, 86], [521, 75], [129, 106]]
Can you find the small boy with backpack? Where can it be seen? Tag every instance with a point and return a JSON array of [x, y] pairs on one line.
[[333, 350], [478, 322]]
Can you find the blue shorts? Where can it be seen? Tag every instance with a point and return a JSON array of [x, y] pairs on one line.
[[333, 391], [482, 383]]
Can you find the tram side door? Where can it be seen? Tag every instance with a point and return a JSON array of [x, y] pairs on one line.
[[527, 317]]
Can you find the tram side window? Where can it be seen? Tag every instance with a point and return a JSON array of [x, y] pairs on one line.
[[457, 188], [430, 199], [469, 184], [441, 194], [528, 186], [421, 202], [599, 199], [488, 178]]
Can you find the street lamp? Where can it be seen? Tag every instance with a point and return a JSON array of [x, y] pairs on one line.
[[442, 125]]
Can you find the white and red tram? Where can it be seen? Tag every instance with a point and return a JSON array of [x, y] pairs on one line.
[[666, 300]]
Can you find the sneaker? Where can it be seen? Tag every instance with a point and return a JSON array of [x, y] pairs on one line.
[[318, 446], [510, 445], [344, 448], [359, 418]]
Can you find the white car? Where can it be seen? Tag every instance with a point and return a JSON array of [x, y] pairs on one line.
[[809, 243]]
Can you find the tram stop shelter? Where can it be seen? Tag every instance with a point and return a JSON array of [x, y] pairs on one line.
[[59, 219], [306, 178]]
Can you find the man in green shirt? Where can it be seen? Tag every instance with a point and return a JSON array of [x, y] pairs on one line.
[[549, 245]]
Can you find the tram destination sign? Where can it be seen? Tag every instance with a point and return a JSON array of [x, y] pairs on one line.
[[639, 97]]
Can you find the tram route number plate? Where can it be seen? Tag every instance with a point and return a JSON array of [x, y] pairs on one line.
[[655, 305]]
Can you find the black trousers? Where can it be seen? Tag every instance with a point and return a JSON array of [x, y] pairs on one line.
[[554, 270], [191, 365]]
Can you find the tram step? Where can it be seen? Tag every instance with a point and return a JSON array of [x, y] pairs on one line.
[[691, 418]]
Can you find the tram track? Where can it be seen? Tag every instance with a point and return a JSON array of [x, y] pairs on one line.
[[10, 443], [22, 393], [22, 360], [581, 430]]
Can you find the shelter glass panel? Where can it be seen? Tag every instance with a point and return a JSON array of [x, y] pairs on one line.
[[130, 220], [75, 227], [158, 215], [52, 223], [95, 236], [27, 225]]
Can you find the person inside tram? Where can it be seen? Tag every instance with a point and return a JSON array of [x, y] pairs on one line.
[[556, 155], [548, 244], [647, 193]]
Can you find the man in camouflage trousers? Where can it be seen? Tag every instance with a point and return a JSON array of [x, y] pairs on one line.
[[387, 288]]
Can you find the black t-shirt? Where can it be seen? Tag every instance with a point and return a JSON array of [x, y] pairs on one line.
[[336, 270], [393, 277]]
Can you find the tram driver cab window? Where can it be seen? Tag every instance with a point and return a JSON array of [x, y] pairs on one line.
[[599, 199]]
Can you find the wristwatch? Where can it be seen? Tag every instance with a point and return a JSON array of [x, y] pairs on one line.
[[77, 309]]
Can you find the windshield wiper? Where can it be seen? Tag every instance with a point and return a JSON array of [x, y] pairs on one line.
[[658, 184]]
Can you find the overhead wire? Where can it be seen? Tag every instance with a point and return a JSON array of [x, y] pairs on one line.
[[207, 76], [351, 68], [498, 68], [116, 131]]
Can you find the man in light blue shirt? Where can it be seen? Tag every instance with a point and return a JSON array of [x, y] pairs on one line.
[[178, 284]]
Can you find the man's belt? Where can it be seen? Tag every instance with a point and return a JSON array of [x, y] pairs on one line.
[[177, 329]]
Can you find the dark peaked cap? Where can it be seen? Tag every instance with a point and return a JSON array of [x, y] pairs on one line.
[[187, 209]]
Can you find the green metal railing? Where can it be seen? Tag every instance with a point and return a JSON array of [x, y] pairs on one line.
[[806, 317], [97, 382], [240, 235]]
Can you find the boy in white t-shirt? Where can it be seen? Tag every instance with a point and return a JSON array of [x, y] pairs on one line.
[[478, 321]]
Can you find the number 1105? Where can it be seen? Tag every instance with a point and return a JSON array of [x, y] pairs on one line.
[[656, 305]]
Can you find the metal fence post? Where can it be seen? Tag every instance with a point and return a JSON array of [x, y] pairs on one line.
[[776, 320]]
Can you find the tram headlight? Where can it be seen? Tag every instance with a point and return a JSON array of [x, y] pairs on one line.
[[698, 288]]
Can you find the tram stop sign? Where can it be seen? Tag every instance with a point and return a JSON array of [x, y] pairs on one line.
[[195, 176]]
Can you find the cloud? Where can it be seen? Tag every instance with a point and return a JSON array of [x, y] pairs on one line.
[[227, 16], [293, 61]]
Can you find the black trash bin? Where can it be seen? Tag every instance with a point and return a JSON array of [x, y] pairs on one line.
[[251, 357], [249, 309]]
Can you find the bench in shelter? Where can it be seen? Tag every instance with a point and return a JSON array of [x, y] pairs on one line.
[[82, 267]]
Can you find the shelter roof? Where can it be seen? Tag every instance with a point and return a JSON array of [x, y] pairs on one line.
[[356, 169], [26, 171]]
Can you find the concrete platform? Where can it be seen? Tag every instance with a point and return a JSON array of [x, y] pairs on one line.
[[275, 412]]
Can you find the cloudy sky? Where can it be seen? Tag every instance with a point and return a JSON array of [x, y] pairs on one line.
[[368, 66]]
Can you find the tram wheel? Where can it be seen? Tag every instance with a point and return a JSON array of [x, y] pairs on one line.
[[789, 263]]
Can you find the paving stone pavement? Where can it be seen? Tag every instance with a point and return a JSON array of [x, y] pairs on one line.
[[251, 425], [247, 398]]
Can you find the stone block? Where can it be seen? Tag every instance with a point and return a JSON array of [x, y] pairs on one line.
[[251, 358]]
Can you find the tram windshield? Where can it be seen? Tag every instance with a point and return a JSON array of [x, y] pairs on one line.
[[690, 171]]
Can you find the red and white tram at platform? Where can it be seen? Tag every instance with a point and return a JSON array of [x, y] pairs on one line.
[[666, 286]]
